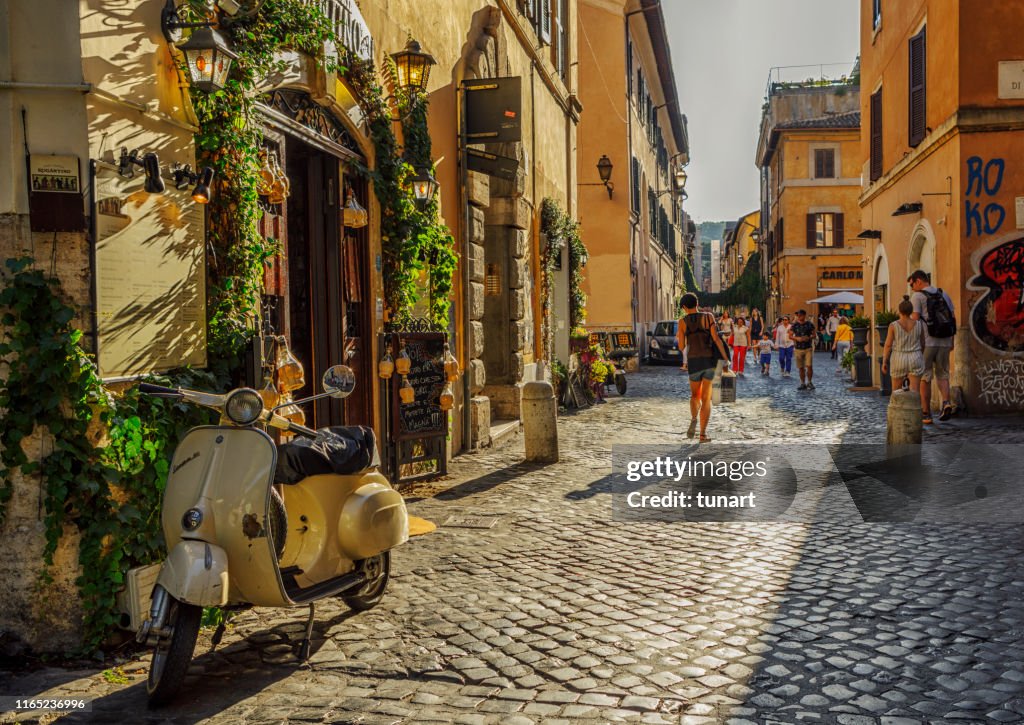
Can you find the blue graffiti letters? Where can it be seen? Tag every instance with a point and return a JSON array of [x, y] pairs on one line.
[[988, 177]]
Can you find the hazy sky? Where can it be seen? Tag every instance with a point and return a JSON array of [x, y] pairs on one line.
[[722, 51]]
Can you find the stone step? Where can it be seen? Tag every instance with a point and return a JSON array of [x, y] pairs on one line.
[[504, 431]]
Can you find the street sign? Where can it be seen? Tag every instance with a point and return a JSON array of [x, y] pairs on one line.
[[493, 110]]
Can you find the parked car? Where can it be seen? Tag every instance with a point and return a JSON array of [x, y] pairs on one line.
[[662, 345]]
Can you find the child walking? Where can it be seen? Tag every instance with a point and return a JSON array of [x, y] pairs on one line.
[[764, 345]]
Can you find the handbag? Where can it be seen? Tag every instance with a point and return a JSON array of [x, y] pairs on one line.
[[716, 354]]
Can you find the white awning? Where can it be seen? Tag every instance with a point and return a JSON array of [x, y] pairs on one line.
[[839, 298]]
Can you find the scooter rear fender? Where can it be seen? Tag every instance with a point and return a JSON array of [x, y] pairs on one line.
[[196, 572]]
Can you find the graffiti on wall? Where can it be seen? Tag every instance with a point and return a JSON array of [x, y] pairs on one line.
[[1001, 382], [997, 318], [984, 179]]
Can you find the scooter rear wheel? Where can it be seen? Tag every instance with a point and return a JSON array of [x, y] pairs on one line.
[[620, 383], [370, 594], [172, 656]]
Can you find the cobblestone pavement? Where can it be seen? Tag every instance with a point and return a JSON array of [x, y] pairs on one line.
[[557, 613]]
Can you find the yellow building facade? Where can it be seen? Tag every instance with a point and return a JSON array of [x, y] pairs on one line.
[[941, 143], [808, 154], [635, 236]]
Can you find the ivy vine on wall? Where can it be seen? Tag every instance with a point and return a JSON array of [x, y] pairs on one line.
[[413, 241], [561, 231]]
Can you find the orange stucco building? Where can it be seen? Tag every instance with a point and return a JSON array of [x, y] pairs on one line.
[[632, 116], [943, 177], [808, 154]]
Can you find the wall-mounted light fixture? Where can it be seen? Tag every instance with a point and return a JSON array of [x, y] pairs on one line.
[[423, 186], [909, 208], [184, 177], [947, 194], [604, 171], [870, 234], [413, 67], [208, 56], [150, 162]]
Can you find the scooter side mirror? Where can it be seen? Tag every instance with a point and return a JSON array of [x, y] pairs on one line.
[[339, 381]]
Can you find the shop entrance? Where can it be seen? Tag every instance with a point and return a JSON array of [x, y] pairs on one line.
[[316, 287]]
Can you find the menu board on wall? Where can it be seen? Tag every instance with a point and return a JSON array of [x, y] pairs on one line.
[[150, 278], [423, 417]]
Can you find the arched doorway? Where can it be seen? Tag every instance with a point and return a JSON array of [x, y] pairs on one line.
[[922, 249], [880, 283]]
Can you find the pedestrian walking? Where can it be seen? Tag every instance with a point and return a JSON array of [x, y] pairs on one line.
[[903, 356], [784, 344], [935, 308], [698, 331], [741, 341], [803, 333], [756, 327], [764, 346], [831, 325], [844, 338], [725, 326]]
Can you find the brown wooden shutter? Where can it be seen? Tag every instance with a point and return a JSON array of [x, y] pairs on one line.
[[812, 231], [838, 232], [876, 136], [545, 20], [918, 92]]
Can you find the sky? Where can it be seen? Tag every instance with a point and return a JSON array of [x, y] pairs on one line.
[[722, 52]]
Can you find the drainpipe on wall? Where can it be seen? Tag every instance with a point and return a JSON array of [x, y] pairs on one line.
[[467, 412]]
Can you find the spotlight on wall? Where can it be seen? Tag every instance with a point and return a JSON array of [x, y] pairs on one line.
[[201, 194], [183, 176], [909, 208], [149, 162]]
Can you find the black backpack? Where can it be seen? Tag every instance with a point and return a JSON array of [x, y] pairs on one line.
[[939, 317]]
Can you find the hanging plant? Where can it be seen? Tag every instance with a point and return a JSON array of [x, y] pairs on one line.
[[562, 230]]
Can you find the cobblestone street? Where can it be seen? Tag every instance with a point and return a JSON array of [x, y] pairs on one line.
[[557, 613]]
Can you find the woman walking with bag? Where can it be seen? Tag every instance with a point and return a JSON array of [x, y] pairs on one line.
[[697, 329]]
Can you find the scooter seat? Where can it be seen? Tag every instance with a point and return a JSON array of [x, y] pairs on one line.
[[342, 450]]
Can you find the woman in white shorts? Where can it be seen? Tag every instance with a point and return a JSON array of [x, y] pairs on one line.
[[903, 356]]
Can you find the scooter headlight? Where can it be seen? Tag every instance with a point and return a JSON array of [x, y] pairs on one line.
[[243, 406]]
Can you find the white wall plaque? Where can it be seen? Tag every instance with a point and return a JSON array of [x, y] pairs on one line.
[[1011, 79]]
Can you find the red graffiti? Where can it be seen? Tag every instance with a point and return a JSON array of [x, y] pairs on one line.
[[998, 317]]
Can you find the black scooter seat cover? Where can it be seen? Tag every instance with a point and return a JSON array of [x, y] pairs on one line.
[[339, 449]]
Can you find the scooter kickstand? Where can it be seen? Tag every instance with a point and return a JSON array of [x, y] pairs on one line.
[[304, 647], [218, 635]]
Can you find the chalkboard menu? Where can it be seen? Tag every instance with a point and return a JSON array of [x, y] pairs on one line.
[[422, 418]]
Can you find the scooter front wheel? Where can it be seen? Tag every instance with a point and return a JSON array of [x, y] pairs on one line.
[[173, 654], [378, 570], [620, 383]]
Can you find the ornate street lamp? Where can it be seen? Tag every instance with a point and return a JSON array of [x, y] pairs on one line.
[[208, 56], [413, 67], [423, 187], [680, 178]]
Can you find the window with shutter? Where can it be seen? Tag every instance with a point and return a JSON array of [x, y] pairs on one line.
[[918, 90], [824, 230], [839, 231], [812, 231], [824, 163], [629, 67], [635, 199], [876, 135], [544, 22]]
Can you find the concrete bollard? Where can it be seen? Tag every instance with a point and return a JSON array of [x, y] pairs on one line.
[[540, 424], [903, 419]]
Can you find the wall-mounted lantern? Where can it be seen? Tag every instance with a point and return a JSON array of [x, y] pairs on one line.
[[208, 56], [604, 170], [680, 178], [413, 67], [423, 187]]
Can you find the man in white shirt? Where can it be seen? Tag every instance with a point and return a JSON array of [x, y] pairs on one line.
[[785, 347], [831, 325], [937, 348]]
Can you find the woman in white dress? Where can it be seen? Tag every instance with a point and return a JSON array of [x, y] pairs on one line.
[[905, 343]]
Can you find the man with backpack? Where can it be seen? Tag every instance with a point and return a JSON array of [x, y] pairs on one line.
[[936, 309]]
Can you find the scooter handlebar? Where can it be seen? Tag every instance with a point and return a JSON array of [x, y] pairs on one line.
[[159, 391]]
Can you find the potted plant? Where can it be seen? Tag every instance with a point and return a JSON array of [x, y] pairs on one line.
[[847, 362], [883, 318], [860, 325], [559, 378]]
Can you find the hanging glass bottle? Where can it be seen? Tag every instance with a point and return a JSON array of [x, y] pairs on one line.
[[290, 375], [291, 412], [451, 365], [386, 366], [447, 397], [404, 363], [406, 392], [271, 397]]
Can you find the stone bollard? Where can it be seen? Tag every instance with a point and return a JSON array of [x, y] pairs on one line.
[[903, 420], [540, 426]]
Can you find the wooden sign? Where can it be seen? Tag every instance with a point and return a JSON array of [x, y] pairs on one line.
[[423, 417]]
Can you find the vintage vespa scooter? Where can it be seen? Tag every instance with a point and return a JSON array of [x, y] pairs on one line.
[[234, 542]]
